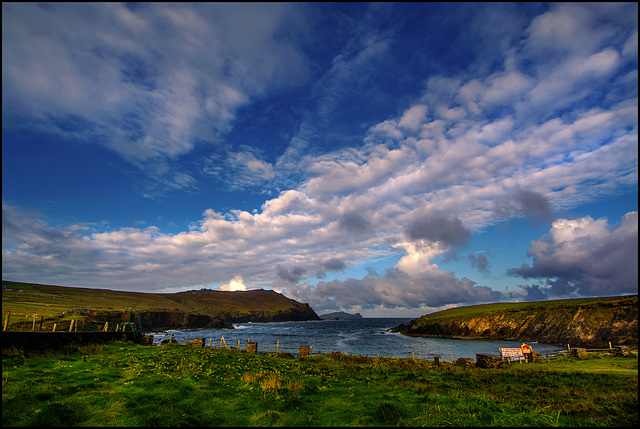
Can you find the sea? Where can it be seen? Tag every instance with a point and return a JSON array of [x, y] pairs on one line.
[[362, 337]]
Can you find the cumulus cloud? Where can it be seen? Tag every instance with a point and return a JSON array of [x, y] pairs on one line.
[[479, 261], [355, 223], [290, 275], [438, 227], [526, 203], [394, 289], [585, 257], [237, 283], [471, 151]]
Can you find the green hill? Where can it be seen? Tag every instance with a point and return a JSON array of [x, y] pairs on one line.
[[586, 322], [193, 309]]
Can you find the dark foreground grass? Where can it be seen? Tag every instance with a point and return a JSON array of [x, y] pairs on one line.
[[122, 384]]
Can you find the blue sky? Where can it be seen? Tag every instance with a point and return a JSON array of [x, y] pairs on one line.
[[390, 159]]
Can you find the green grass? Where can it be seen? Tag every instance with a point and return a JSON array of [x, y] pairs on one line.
[[60, 304], [121, 384], [522, 307]]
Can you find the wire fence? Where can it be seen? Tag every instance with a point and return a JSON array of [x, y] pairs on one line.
[[40, 323], [249, 346]]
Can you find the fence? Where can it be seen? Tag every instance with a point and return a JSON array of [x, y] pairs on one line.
[[249, 346], [36, 323], [582, 353]]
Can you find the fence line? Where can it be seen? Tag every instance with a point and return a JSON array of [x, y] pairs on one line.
[[249, 346], [73, 325]]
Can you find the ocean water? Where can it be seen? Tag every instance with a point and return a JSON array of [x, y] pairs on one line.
[[362, 337]]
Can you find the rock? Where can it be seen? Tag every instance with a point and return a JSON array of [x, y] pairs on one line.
[[198, 342], [583, 324], [580, 353], [488, 361], [623, 350], [466, 362]]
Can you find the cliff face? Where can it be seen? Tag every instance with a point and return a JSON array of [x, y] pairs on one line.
[[207, 309], [158, 320], [591, 325], [340, 315]]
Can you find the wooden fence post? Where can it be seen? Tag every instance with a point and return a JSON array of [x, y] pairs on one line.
[[277, 345], [6, 321], [33, 327], [71, 325], [54, 327]]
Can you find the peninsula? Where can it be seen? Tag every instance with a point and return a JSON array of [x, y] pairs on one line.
[[204, 308], [583, 322]]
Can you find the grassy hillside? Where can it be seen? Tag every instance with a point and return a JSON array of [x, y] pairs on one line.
[[30, 298], [128, 385], [591, 322], [484, 309], [59, 303]]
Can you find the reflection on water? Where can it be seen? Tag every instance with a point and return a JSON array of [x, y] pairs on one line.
[[364, 337]]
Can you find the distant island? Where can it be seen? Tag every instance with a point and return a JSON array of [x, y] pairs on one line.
[[340, 315]]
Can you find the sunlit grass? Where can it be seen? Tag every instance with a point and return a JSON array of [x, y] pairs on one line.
[[121, 384]]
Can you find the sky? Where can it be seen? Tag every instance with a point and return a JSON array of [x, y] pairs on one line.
[[392, 159]]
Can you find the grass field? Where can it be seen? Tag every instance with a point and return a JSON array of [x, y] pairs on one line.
[[122, 384], [501, 307], [59, 304]]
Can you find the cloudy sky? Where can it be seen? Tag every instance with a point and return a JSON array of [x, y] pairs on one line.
[[389, 159]]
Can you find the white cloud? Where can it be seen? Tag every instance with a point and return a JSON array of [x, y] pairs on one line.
[[237, 283], [414, 117], [524, 134], [148, 81], [586, 257]]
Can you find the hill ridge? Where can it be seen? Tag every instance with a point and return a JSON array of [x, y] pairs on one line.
[[204, 308], [586, 322]]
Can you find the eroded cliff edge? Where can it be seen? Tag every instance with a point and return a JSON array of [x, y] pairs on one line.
[[195, 309], [211, 309], [579, 323]]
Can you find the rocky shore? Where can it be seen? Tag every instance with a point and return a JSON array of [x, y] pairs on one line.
[[591, 325]]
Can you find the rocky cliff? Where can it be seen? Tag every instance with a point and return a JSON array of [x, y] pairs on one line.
[[217, 310], [159, 320], [579, 324], [204, 308], [340, 315]]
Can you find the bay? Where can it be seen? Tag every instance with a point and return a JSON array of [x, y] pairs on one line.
[[362, 337]]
